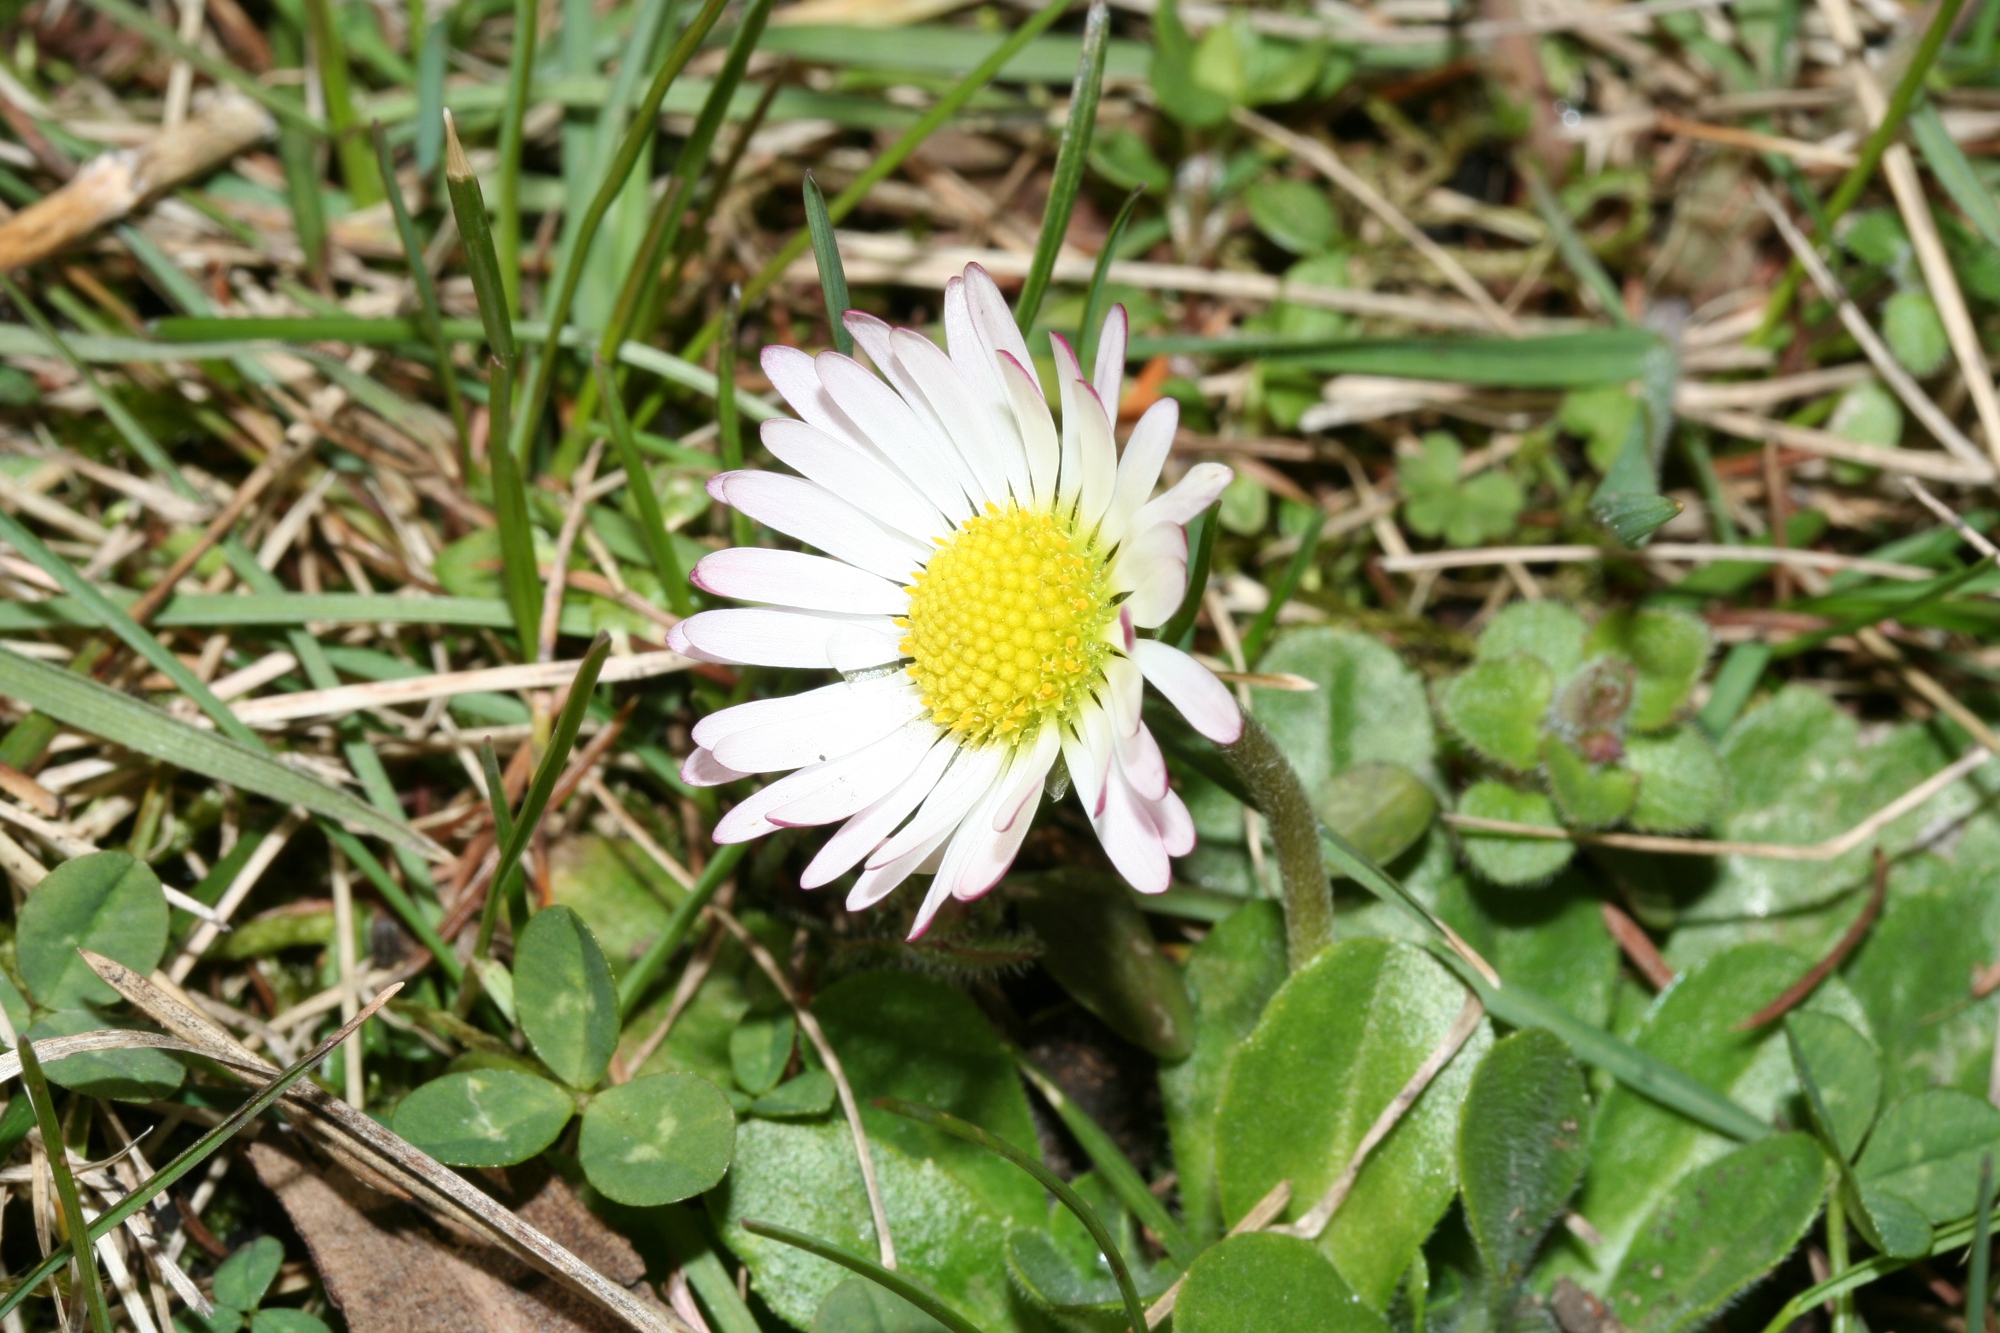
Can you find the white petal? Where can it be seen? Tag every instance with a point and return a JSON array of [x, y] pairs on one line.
[[891, 426], [1109, 376], [1069, 482], [1192, 689], [793, 578], [860, 835], [877, 882], [1198, 490], [751, 818], [988, 443], [1025, 778], [871, 335], [1158, 590], [840, 695], [1170, 816], [1131, 840], [857, 475], [797, 742], [978, 854], [991, 316], [700, 770], [886, 766], [1124, 694], [1087, 752], [791, 373], [1037, 428], [814, 515], [1143, 552], [968, 779], [754, 636], [1139, 758], [975, 358], [1139, 468], [1096, 451]]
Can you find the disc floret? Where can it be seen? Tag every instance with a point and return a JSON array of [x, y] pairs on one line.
[[1006, 629]]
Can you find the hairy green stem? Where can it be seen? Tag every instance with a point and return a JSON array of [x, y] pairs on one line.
[[1276, 790]]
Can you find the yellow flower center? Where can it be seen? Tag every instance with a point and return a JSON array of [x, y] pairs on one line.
[[1006, 626]]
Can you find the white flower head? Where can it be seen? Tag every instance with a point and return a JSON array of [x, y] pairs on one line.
[[980, 592]]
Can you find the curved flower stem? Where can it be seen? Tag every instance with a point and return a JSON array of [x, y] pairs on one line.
[[1275, 788]]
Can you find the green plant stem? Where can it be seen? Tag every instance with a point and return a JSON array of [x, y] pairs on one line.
[[1070, 160], [350, 140], [1308, 898], [37, 1087], [1870, 157], [729, 425], [653, 532], [568, 722], [1047, 1179], [1201, 542], [1836, 1258], [1260, 629], [899, 1283], [1979, 1280], [298, 155], [428, 312], [507, 182], [642, 974], [1099, 295], [198, 1152], [644, 126], [891, 158]]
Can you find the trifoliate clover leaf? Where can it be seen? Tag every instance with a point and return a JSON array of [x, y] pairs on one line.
[[1438, 504]]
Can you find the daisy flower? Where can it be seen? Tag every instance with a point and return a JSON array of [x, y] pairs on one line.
[[982, 586]]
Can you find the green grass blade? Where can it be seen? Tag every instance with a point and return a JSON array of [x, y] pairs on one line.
[[902, 1284], [645, 125], [432, 61], [544, 784], [1903, 599], [1046, 1178], [729, 425], [1953, 169], [198, 1152], [1979, 1282], [82, 703], [639, 978], [128, 630], [832, 275], [285, 610], [124, 14], [1201, 544], [135, 435], [298, 154], [1260, 629], [1572, 247], [893, 157], [513, 116], [1098, 299], [1869, 158], [1117, 1169], [37, 1086], [496, 793], [1071, 158], [639, 484], [482, 261], [519, 578], [350, 138], [1556, 361], [430, 317]]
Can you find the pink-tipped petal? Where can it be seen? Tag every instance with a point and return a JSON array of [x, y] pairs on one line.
[[1143, 765], [889, 424], [857, 475], [1199, 489], [798, 508], [752, 636], [795, 579], [1087, 753], [873, 775], [956, 793], [1124, 695], [1131, 840], [700, 769], [798, 742], [791, 373], [1192, 689], [1139, 467], [1170, 816], [860, 834], [987, 442], [1109, 373], [871, 335], [989, 311], [1069, 482], [878, 882]]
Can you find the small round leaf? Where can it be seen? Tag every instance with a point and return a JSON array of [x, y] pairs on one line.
[[759, 1048], [107, 902], [285, 1320], [484, 1117], [657, 1140], [1266, 1283], [565, 997], [242, 1279], [1507, 858], [138, 1074]]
